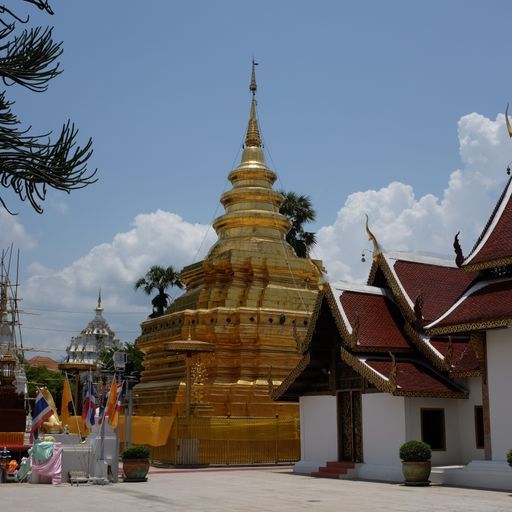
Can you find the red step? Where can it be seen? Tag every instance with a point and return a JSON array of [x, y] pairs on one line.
[[333, 469]]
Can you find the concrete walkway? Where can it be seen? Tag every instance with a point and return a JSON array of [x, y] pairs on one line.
[[245, 490]]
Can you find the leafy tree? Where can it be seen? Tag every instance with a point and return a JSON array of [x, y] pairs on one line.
[[41, 376], [299, 210], [159, 278], [30, 163], [134, 359]]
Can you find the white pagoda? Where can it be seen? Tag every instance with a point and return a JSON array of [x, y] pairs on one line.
[[87, 346]]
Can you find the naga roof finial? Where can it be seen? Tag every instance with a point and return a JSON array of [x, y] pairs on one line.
[[459, 256], [253, 138], [371, 236], [509, 126]]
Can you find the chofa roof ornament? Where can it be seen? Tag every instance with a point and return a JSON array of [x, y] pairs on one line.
[[376, 247], [509, 126]]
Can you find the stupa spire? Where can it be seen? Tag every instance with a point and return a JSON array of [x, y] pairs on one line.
[[253, 138], [99, 309]]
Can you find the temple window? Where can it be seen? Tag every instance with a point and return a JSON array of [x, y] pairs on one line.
[[433, 428]]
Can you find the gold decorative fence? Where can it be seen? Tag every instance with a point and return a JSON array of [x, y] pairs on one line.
[[223, 440]]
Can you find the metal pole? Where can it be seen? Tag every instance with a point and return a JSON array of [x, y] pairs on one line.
[[130, 412], [115, 462], [125, 442], [102, 439], [77, 380]]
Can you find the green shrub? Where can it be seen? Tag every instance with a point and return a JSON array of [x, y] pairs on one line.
[[509, 457], [136, 452], [415, 451]]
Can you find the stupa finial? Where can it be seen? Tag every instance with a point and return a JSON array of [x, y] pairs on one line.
[[99, 309], [253, 138], [253, 87]]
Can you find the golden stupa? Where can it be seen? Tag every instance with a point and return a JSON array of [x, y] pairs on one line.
[[248, 302]]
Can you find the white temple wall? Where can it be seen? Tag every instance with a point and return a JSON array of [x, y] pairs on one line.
[[318, 432], [499, 359], [383, 427], [466, 429], [413, 408]]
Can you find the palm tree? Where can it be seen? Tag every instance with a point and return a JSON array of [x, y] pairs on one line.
[[299, 210], [159, 278]]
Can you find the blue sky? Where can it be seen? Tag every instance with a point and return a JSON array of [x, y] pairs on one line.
[[390, 108]]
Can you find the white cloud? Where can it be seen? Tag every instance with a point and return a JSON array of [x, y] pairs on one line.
[[156, 238], [13, 232], [401, 221]]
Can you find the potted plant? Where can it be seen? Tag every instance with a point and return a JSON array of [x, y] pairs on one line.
[[509, 457], [416, 465], [135, 463]]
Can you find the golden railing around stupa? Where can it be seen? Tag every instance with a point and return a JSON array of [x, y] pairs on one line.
[[230, 440], [211, 440]]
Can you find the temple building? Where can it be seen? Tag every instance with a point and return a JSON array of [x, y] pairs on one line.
[[422, 351], [97, 336], [211, 356]]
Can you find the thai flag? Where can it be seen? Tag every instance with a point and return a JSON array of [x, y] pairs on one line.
[[118, 398], [41, 412], [89, 408]]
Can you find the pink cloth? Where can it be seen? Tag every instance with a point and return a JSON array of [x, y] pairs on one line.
[[52, 467]]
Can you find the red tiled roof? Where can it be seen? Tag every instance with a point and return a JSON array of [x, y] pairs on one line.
[[490, 303], [37, 361], [495, 242], [439, 286], [412, 377], [378, 320], [463, 357]]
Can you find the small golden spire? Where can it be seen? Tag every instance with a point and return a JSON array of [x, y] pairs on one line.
[[99, 309], [253, 138], [253, 87]]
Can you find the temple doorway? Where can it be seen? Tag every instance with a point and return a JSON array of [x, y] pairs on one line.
[[350, 433]]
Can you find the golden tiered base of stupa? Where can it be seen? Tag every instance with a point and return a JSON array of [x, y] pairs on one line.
[[252, 347], [251, 299]]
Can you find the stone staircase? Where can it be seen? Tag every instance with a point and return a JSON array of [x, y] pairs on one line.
[[334, 470]]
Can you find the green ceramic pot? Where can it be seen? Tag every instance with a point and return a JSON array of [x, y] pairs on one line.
[[135, 470], [416, 473]]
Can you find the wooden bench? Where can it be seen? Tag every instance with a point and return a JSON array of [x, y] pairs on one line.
[[78, 477]]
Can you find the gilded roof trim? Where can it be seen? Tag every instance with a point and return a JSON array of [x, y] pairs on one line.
[[367, 372], [395, 287], [432, 394], [303, 346], [280, 390], [469, 327], [425, 349], [488, 264], [466, 373], [486, 233]]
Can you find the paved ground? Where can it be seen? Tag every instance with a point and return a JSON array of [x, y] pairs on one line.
[[247, 490]]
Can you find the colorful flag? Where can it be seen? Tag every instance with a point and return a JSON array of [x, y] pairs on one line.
[[111, 400], [114, 402], [41, 412], [89, 408], [66, 404]]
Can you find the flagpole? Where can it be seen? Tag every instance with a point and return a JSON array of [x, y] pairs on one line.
[[102, 430], [115, 475], [73, 405]]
